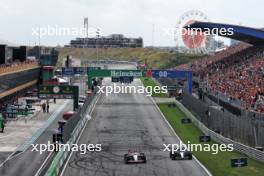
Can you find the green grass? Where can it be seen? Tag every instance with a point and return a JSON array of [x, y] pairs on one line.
[[150, 82], [218, 164]]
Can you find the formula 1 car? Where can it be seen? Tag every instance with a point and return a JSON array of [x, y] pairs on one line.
[[134, 157], [181, 154]]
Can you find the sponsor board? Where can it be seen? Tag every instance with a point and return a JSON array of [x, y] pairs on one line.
[[185, 121], [239, 162], [204, 138], [126, 73]]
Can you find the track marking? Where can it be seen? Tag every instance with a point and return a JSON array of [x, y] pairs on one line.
[[24, 146], [43, 128], [69, 157], [200, 164], [43, 164]]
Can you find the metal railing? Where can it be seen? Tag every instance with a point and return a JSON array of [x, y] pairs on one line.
[[61, 156], [249, 151]]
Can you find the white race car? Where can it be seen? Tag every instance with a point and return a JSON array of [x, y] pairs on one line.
[[134, 157]]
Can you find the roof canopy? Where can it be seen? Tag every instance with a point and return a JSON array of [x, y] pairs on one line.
[[245, 34]]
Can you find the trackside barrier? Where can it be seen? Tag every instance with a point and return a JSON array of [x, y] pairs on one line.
[[249, 151], [61, 156]]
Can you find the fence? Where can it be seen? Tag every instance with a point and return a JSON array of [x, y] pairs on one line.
[[234, 108], [73, 121], [217, 124], [81, 120]]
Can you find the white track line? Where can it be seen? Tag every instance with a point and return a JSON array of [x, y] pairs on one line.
[[69, 157], [11, 156], [43, 164], [201, 165], [8, 158]]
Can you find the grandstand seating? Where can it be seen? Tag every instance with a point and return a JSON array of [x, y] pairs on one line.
[[17, 66], [199, 65], [237, 73], [242, 81], [13, 80]]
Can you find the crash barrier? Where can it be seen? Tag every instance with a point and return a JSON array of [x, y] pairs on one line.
[[249, 151], [234, 109], [61, 156], [14, 67], [233, 106], [251, 114], [73, 121], [245, 129]]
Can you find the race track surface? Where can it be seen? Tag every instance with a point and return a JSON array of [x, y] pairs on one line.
[[128, 121]]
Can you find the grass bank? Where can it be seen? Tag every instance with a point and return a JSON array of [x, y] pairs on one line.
[[218, 164]]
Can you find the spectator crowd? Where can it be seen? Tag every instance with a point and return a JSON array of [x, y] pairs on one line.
[[16, 66], [237, 72]]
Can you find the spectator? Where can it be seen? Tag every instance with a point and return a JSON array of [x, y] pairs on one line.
[[2, 125], [44, 107], [47, 107], [236, 73]]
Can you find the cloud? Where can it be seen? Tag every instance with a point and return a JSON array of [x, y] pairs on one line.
[[129, 17]]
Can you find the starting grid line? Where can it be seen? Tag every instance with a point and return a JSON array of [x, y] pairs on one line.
[[37, 134]]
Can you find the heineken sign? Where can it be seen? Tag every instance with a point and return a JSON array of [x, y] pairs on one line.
[[141, 73], [114, 73], [119, 73]]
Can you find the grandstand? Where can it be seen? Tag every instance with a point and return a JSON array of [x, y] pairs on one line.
[[20, 69], [17, 66], [237, 73]]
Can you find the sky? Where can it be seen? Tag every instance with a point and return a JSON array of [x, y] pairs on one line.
[[20, 19]]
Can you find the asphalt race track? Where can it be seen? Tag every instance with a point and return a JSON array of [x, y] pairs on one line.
[[28, 162], [128, 121]]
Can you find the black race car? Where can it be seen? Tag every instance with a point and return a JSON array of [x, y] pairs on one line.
[[134, 157], [181, 154]]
